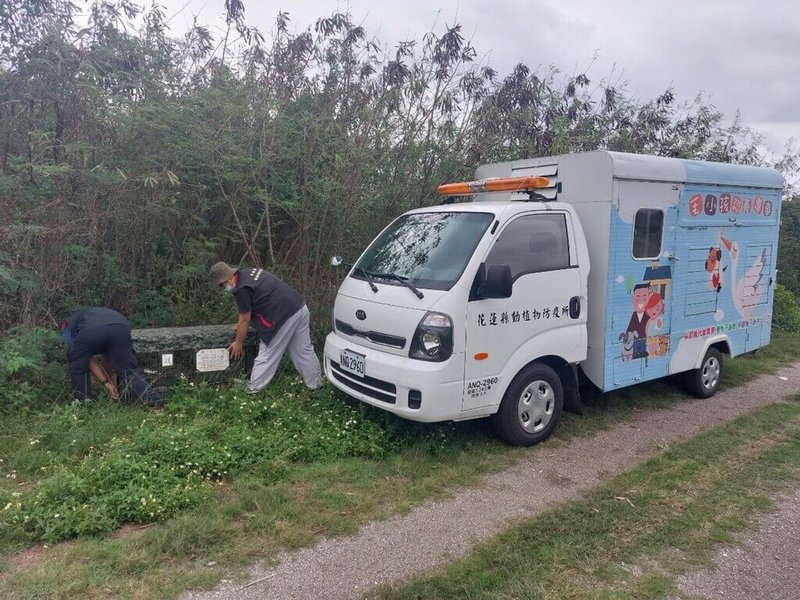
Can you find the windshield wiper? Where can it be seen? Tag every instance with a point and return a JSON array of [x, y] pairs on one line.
[[369, 279], [402, 280]]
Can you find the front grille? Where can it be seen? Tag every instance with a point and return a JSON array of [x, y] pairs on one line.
[[348, 381], [373, 336]]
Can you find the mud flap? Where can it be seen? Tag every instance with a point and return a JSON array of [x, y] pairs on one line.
[[572, 395]]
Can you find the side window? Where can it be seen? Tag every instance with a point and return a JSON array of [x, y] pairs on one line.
[[531, 244], [648, 228]]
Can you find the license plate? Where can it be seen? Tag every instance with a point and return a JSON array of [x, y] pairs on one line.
[[352, 362]]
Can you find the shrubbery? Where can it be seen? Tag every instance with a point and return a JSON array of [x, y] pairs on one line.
[[133, 162], [786, 310], [32, 369]]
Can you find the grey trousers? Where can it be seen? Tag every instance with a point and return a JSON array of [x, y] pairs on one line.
[[293, 337]]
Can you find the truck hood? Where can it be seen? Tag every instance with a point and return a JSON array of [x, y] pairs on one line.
[[384, 320]]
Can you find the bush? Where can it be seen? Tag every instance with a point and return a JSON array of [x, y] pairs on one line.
[[32, 369], [786, 310]]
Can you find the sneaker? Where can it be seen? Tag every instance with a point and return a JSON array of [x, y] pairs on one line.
[[154, 398], [154, 403]]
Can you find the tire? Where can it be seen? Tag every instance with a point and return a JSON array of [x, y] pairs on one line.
[[531, 407], [704, 382]]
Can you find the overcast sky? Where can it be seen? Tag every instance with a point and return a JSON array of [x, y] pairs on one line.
[[743, 54]]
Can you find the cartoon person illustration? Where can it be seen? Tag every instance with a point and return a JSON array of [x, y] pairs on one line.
[[714, 267], [655, 325], [639, 318], [654, 310]]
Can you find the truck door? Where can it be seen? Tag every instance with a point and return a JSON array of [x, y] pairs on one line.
[[641, 340], [536, 319]]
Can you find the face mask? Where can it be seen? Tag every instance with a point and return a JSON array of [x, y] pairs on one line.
[[228, 288]]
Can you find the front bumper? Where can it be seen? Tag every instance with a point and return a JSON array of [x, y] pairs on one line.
[[389, 378]]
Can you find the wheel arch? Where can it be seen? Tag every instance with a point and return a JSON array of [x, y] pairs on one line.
[[723, 346], [567, 373], [721, 343]]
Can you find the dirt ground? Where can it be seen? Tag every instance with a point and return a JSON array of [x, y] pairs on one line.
[[437, 531], [765, 564]]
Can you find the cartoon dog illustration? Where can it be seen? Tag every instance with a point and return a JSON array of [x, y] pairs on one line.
[[627, 338]]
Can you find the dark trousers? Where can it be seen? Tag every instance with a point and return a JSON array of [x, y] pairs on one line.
[[113, 340]]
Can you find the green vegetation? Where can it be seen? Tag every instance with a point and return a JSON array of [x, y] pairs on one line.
[[133, 159], [630, 537], [789, 247], [223, 477], [144, 468], [786, 310]]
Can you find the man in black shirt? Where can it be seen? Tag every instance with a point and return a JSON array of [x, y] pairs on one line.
[[95, 330], [280, 316]]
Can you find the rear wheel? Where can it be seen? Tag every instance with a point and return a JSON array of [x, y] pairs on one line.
[[704, 382], [531, 407]]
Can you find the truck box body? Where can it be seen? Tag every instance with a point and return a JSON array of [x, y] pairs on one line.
[[714, 269], [624, 266]]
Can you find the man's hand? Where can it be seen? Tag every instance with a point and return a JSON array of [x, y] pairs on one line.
[[111, 389], [235, 350]]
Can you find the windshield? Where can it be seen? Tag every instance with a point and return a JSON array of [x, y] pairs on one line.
[[429, 250]]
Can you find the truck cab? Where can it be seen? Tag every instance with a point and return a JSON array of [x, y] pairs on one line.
[[466, 310]]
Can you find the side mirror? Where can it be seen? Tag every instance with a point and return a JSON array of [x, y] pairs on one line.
[[498, 282], [336, 261], [478, 284]]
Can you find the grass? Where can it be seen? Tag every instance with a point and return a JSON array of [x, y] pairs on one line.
[[263, 478], [631, 537]]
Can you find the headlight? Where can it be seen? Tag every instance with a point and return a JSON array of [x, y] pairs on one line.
[[433, 339]]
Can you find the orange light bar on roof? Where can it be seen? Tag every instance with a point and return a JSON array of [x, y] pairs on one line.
[[496, 184]]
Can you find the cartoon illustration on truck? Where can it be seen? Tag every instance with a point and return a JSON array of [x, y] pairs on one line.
[[489, 307]]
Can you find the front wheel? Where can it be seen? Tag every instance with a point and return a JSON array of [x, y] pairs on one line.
[[704, 382], [531, 406]]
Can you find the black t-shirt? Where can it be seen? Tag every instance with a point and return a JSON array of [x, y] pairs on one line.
[[94, 316], [268, 299]]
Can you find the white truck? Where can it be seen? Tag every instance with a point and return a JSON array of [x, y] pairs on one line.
[[489, 307]]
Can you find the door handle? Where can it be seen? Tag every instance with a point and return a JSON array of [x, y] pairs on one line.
[[574, 307]]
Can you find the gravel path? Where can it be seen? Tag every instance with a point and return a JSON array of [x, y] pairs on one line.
[[437, 531], [766, 564]]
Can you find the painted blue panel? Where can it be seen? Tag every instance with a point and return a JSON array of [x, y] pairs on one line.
[[713, 277], [703, 172]]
